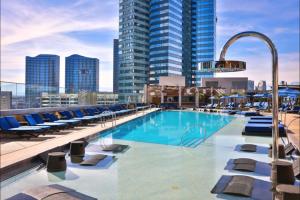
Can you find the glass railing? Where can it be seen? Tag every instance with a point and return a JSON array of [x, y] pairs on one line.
[[20, 96]]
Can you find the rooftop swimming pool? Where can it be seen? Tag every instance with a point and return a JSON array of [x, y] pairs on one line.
[[178, 128]]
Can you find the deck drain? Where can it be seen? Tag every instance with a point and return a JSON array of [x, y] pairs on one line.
[[174, 187]]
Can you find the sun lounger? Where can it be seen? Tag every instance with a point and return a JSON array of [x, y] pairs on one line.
[[243, 186], [252, 148], [262, 118], [258, 121], [40, 120], [15, 124], [115, 148], [20, 131], [32, 122], [67, 115], [249, 165], [93, 160], [262, 130], [52, 118], [51, 192], [79, 114]]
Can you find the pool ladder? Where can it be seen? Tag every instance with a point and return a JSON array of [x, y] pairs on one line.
[[113, 117]]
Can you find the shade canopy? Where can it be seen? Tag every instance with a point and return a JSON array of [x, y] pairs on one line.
[[265, 95], [224, 97], [237, 96], [287, 92], [222, 66]]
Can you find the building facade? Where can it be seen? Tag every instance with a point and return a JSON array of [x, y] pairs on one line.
[[134, 49], [81, 74], [42, 75], [262, 86], [230, 85], [203, 37], [251, 86], [164, 38], [5, 100], [58, 100], [115, 65]]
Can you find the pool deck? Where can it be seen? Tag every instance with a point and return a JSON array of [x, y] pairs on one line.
[[152, 171], [17, 150], [293, 123]]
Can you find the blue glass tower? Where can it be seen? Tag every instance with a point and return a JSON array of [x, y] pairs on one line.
[[82, 74], [116, 66], [42, 75], [165, 39], [203, 36]]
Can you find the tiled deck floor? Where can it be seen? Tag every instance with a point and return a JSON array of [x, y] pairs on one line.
[[152, 171], [15, 150]]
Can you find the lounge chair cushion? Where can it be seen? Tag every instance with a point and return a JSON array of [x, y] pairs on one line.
[[115, 148], [245, 167], [248, 147], [262, 129], [93, 160], [51, 192], [243, 186], [240, 185], [244, 161]]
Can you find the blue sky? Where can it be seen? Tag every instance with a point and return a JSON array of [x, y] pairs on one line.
[[88, 27]]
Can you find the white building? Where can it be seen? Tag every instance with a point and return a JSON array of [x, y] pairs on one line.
[[230, 84], [262, 86], [57, 100]]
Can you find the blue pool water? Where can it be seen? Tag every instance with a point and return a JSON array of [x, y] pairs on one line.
[[179, 128]]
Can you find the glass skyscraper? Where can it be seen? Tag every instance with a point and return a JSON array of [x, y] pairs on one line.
[[81, 74], [134, 49], [42, 75], [203, 36], [169, 37], [116, 66]]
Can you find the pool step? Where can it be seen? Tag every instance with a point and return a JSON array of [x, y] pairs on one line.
[[191, 142]]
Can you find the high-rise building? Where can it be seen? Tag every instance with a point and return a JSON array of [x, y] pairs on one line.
[[262, 86], [164, 38], [203, 36], [134, 49], [116, 66], [250, 86], [42, 75], [82, 74]]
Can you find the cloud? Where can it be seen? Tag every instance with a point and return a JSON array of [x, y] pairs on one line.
[[33, 27]]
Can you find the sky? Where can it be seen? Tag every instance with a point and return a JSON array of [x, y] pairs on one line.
[[88, 27]]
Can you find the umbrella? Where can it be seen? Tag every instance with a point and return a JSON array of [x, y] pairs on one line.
[[287, 92], [237, 96], [266, 95], [224, 97]]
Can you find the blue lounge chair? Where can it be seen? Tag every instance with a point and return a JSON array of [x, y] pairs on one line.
[[67, 115], [79, 114], [262, 118], [260, 121], [32, 122], [52, 118], [40, 120], [262, 130], [20, 131], [15, 124]]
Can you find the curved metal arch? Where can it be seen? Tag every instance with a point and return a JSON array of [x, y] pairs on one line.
[[268, 41]]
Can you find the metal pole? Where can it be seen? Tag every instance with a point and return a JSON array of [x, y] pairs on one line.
[[275, 130]]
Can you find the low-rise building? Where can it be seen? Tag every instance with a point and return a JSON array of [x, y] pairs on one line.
[[5, 100], [230, 84], [56, 100]]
